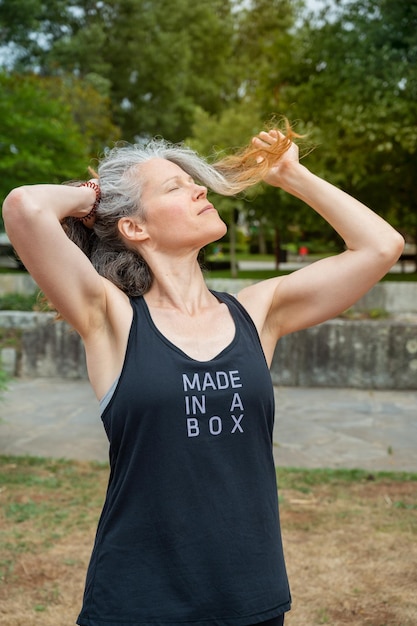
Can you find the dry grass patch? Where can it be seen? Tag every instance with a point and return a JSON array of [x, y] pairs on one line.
[[49, 512], [350, 540], [351, 548]]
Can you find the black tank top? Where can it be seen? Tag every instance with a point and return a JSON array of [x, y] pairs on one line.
[[189, 534]]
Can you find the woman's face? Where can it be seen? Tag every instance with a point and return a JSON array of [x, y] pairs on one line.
[[178, 215]]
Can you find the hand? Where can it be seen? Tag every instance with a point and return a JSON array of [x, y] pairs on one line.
[[281, 165]]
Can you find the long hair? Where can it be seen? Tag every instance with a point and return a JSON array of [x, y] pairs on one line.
[[121, 190]]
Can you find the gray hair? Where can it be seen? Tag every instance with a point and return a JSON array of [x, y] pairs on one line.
[[121, 187]]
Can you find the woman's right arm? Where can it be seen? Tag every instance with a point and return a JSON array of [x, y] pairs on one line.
[[32, 215]]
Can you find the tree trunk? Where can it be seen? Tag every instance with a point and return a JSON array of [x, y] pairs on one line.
[[261, 239], [232, 238], [277, 248]]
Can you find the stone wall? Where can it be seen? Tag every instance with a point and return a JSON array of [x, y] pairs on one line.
[[393, 297], [18, 282], [365, 354], [377, 354], [46, 347], [380, 354]]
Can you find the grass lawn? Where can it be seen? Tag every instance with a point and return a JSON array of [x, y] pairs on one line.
[[350, 539], [262, 274]]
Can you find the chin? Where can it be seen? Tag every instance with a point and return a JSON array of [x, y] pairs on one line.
[[216, 233], [222, 229]]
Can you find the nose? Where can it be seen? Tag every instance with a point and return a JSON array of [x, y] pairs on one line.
[[199, 192]]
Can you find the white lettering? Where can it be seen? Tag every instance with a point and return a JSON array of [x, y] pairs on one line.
[[215, 425], [234, 378], [193, 405], [215, 381], [193, 428], [237, 425], [198, 404], [194, 384], [236, 402], [222, 380], [208, 382]]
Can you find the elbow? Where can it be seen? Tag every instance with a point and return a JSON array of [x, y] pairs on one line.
[[398, 245], [16, 208], [392, 248]]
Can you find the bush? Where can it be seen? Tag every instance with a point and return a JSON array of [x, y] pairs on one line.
[[3, 380], [19, 302]]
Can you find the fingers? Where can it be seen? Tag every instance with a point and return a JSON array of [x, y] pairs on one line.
[[266, 139]]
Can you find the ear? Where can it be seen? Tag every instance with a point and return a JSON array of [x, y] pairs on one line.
[[132, 230]]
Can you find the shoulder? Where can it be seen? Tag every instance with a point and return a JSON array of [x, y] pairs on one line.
[[260, 301]]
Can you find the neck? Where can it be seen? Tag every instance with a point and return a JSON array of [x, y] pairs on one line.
[[178, 283]]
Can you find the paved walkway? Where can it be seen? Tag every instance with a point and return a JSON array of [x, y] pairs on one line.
[[346, 428]]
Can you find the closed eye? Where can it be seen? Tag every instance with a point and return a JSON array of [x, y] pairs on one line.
[[177, 182]]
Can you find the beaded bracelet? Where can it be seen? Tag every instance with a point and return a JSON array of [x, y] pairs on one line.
[[93, 211]]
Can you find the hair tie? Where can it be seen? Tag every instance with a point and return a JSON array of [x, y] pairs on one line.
[[93, 211]]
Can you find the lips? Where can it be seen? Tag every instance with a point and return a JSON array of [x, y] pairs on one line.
[[209, 207]]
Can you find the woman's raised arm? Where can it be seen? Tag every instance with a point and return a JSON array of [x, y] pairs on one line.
[[32, 215], [327, 287]]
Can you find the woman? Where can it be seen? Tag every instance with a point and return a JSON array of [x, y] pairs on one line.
[[189, 532]]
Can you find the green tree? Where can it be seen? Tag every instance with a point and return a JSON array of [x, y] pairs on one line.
[[355, 82], [159, 60], [268, 47], [90, 110], [263, 43], [265, 46], [43, 136], [39, 138]]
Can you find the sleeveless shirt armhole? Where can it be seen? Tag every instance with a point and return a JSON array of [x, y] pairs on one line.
[[108, 395], [240, 306], [105, 400]]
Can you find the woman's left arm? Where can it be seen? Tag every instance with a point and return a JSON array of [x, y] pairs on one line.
[[327, 287]]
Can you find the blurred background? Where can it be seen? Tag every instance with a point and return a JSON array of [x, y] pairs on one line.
[[77, 76]]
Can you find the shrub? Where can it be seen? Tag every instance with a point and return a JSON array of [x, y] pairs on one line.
[[19, 302]]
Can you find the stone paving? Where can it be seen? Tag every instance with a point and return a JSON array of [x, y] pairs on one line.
[[320, 427], [346, 428]]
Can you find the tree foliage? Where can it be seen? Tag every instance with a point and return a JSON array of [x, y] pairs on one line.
[[49, 129], [356, 86], [159, 60], [38, 137], [214, 72]]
